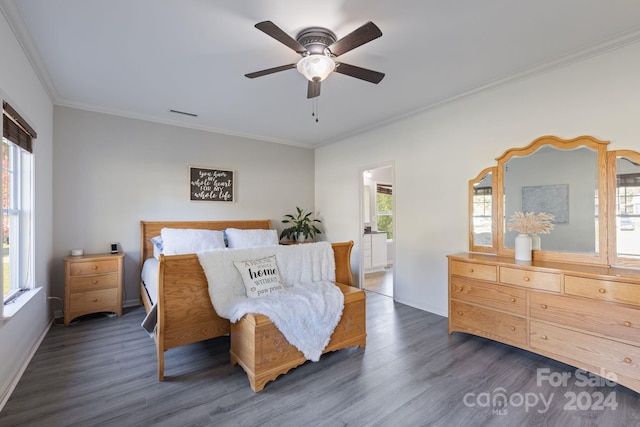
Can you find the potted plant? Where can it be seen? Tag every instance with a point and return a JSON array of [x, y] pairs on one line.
[[303, 226]]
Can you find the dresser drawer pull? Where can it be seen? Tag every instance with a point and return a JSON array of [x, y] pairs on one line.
[[526, 279], [460, 313], [95, 267], [512, 299], [627, 324], [95, 300], [513, 328], [627, 360], [543, 306], [471, 270], [460, 288], [95, 282], [602, 290], [544, 337]]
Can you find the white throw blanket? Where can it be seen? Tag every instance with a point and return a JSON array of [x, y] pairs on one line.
[[307, 311]]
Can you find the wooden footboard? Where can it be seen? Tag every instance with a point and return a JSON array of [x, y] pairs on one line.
[[264, 353]]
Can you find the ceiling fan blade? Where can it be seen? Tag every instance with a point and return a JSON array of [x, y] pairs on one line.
[[313, 89], [359, 73], [270, 71], [271, 29], [358, 37]]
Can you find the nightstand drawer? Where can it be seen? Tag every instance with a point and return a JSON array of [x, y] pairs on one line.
[[530, 279], [93, 267], [607, 290], [94, 301], [474, 271], [83, 283]]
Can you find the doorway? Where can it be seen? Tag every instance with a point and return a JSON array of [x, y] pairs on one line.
[[377, 254]]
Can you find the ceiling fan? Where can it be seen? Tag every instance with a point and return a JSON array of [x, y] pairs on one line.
[[319, 48]]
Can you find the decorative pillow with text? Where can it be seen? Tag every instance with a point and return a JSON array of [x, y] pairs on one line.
[[260, 276]]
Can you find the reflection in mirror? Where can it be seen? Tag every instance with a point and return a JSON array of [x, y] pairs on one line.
[[482, 211], [627, 207], [560, 182]]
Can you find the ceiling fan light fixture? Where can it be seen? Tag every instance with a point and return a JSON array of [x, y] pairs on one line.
[[316, 67]]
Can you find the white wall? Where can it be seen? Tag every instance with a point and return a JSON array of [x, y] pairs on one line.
[[438, 151], [112, 172], [20, 86]]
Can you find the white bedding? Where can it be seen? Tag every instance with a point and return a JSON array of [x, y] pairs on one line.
[[308, 310], [150, 278]]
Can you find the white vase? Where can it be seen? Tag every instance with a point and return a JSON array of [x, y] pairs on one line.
[[535, 242], [523, 247], [300, 237]]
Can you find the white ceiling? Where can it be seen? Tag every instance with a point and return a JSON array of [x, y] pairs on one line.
[[142, 58]]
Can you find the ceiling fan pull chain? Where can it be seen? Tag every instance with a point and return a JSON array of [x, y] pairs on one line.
[[315, 109]]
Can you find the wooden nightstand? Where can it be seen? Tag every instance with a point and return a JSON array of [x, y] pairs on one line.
[[93, 284]]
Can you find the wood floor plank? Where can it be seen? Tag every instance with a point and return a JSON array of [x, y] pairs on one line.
[[102, 371]]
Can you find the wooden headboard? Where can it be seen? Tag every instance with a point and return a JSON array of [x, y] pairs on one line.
[[149, 229]]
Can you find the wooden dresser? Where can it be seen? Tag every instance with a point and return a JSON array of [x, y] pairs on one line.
[[587, 316], [93, 284]]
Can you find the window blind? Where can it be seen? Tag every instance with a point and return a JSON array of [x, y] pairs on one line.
[[16, 129]]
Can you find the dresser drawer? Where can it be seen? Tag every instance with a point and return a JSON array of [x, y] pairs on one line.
[[94, 301], [620, 358], [607, 290], [93, 267], [474, 271], [83, 283], [503, 298], [607, 319], [530, 279], [488, 323]]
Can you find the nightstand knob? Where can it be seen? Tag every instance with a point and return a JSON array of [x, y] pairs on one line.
[[526, 279], [513, 300], [95, 267], [95, 282], [460, 288], [513, 328], [628, 360], [460, 313], [602, 290], [544, 337], [544, 306], [471, 270], [95, 300], [627, 324]]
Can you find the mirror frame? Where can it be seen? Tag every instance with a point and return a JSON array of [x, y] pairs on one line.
[[605, 239], [494, 238], [612, 157]]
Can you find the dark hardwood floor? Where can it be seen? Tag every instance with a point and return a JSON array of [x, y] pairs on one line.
[[102, 372]]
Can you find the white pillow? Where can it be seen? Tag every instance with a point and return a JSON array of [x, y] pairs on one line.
[[260, 276], [176, 241], [238, 238]]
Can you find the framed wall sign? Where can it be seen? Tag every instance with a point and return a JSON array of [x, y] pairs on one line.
[[212, 185]]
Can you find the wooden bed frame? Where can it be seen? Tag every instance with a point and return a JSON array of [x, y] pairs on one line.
[[185, 314]]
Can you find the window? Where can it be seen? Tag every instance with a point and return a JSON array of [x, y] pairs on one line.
[[482, 199], [17, 202], [384, 209]]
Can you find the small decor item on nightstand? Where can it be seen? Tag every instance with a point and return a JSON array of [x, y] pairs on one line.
[[114, 248], [528, 224], [303, 226]]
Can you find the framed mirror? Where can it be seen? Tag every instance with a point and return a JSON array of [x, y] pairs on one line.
[[565, 178], [624, 203], [482, 225]]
